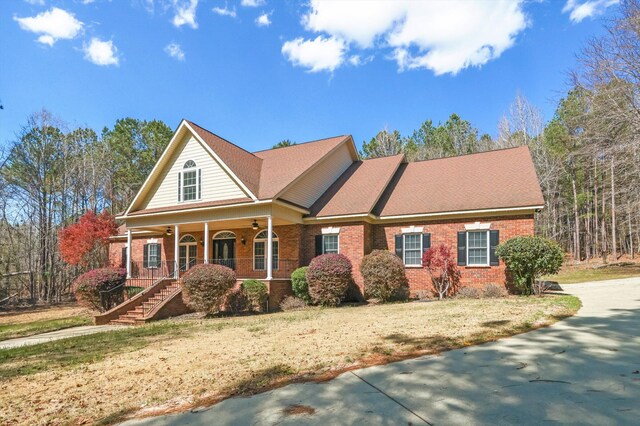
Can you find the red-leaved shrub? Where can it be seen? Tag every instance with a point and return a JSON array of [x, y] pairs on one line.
[[328, 277], [207, 285], [100, 289], [384, 277], [443, 269]]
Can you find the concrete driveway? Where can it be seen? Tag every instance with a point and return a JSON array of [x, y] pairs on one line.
[[583, 370]]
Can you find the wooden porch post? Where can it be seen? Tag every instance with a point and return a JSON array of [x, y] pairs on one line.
[[129, 239], [176, 248], [206, 242], [269, 247]]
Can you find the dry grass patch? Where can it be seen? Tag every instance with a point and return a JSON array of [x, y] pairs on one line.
[[30, 321], [27, 315], [204, 360]]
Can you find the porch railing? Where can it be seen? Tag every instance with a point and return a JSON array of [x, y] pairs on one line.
[[143, 275]]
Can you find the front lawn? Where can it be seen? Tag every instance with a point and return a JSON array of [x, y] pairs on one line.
[[573, 274], [177, 364], [41, 320]]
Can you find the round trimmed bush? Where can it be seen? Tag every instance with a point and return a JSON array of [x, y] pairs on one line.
[[236, 301], [101, 288], [384, 277], [299, 284], [257, 294], [329, 276], [207, 285]]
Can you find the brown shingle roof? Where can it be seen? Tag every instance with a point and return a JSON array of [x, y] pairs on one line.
[[488, 180], [282, 166], [359, 187], [243, 164]]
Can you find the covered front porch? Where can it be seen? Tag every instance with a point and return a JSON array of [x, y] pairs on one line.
[[264, 247]]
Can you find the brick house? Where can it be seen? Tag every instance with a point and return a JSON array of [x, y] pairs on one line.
[[266, 213]]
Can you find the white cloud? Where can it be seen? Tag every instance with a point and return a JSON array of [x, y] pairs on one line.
[[101, 52], [357, 60], [445, 36], [225, 11], [321, 54], [87, 1], [579, 10], [263, 20], [175, 51], [52, 25], [185, 13], [36, 2], [252, 3]]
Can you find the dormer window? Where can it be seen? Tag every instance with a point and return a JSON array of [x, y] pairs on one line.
[[189, 182]]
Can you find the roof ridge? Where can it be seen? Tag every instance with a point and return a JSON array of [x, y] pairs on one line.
[[220, 137], [468, 154], [302, 143]]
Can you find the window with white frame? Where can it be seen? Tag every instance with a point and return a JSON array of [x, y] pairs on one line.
[[412, 249], [330, 244], [189, 182], [478, 248], [260, 251]]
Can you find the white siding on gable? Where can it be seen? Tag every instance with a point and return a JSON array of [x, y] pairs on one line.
[[308, 189], [216, 183]]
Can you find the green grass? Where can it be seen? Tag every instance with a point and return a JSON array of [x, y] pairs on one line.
[[12, 331], [581, 275], [87, 349]]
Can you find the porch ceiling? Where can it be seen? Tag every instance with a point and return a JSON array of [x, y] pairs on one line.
[[216, 225]]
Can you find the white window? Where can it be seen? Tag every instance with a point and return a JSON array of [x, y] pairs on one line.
[[154, 255], [412, 249], [478, 248], [189, 182], [260, 251], [330, 244]]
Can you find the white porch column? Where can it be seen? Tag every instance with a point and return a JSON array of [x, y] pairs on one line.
[[206, 242], [176, 248], [129, 253], [269, 248]]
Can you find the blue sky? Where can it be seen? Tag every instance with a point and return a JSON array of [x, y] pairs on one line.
[[259, 71]]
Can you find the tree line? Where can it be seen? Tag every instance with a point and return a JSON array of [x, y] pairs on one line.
[[587, 158], [51, 175]]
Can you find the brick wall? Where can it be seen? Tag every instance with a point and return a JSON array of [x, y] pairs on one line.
[[446, 232], [297, 243], [355, 241]]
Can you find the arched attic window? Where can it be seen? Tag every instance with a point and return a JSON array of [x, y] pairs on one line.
[[190, 182]]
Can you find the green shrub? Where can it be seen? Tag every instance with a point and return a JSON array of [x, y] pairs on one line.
[[101, 289], [492, 291], [529, 258], [236, 301], [206, 286], [384, 277], [469, 293], [257, 294], [329, 276], [292, 303], [299, 284]]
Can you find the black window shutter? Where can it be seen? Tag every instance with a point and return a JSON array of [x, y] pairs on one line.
[[179, 186], [426, 242], [158, 256], [399, 243], [199, 183], [318, 245], [494, 240], [145, 256], [124, 257], [462, 248]]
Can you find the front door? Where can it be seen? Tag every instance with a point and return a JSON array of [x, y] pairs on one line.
[[224, 252], [188, 252]]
